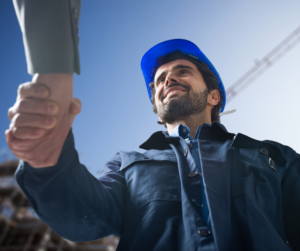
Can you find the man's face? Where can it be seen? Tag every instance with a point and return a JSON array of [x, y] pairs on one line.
[[179, 90]]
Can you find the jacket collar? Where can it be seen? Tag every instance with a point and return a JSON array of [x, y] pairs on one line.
[[243, 141], [160, 140]]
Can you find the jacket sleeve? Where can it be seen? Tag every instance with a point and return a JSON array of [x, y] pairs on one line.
[[74, 203], [291, 202], [50, 34]]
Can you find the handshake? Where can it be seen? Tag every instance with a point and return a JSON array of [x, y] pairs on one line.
[[41, 118]]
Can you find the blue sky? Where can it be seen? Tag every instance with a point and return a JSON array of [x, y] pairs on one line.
[[114, 35]]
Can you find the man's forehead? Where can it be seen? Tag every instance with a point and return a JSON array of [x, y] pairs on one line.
[[170, 65]]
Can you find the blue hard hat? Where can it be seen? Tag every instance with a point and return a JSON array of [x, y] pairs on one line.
[[150, 61]]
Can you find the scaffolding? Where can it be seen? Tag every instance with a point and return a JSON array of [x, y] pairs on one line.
[[22, 230]]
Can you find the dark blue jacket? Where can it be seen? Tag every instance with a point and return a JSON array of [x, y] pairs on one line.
[[150, 199]]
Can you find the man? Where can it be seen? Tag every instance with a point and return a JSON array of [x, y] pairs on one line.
[[195, 188]]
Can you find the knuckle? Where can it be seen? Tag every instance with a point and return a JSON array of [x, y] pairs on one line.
[[22, 89], [16, 120], [21, 104], [15, 130], [10, 113], [27, 90]]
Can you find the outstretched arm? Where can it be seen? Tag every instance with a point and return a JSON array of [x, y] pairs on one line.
[[74, 203], [65, 195], [50, 36]]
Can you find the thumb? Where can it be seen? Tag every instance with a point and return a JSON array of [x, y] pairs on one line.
[[75, 107]]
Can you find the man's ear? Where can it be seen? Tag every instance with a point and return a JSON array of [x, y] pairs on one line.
[[160, 121], [213, 97]]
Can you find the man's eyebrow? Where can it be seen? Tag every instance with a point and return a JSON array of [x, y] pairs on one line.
[[176, 67], [182, 67]]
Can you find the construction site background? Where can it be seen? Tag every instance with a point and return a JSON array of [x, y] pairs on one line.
[[22, 230]]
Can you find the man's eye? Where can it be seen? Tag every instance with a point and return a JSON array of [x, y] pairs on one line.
[[183, 72], [161, 80]]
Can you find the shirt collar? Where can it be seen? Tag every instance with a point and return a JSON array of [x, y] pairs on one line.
[[160, 140], [184, 132], [180, 131]]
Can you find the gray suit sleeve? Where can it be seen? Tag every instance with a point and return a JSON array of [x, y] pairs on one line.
[[50, 34]]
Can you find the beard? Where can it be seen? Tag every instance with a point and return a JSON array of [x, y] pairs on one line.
[[181, 106]]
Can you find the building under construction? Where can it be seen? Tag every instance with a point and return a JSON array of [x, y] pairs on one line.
[[22, 230]]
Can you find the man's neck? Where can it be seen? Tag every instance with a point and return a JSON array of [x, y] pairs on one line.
[[192, 121]]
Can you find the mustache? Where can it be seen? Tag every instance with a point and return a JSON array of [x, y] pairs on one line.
[[162, 96]]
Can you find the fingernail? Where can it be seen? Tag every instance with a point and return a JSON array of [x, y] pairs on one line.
[[52, 109], [50, 121]]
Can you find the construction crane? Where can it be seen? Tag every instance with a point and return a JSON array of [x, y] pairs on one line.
[[263, 65]]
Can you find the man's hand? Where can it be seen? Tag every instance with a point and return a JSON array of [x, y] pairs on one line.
[[41, 118]]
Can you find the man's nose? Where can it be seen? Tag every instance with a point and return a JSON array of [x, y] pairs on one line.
[[170, 78]]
